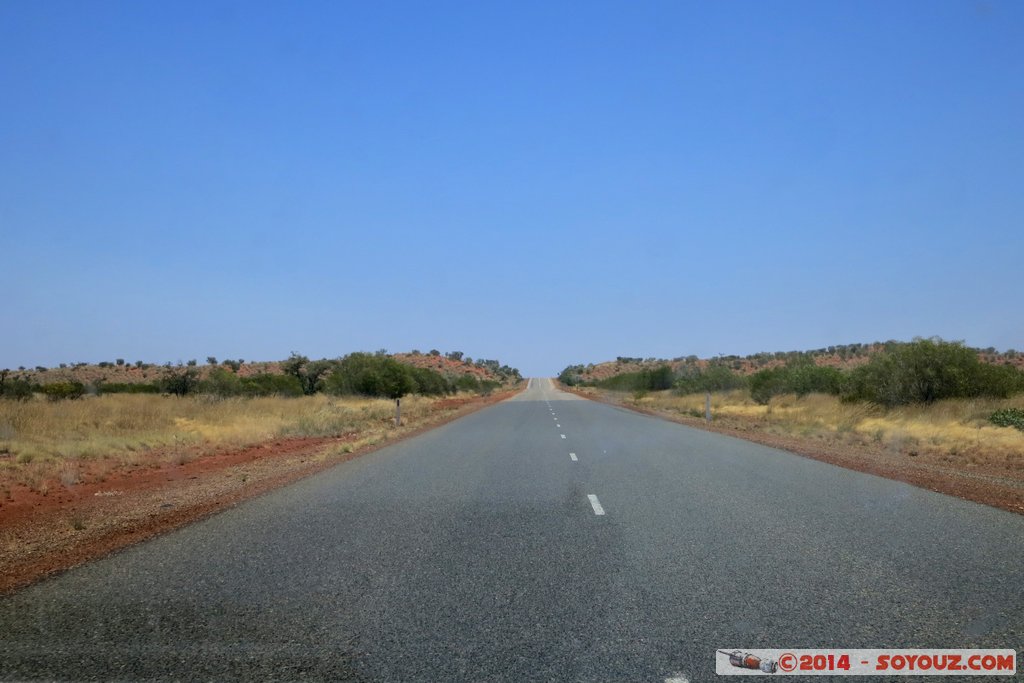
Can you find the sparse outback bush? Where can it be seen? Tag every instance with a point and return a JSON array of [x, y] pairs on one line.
[[124, 388], [647, 380], [221, 382], [800, 377], [928, 370], [14, 388], [180, 381], [270, 385], [58, 391], [1008, 417], [692, 380]]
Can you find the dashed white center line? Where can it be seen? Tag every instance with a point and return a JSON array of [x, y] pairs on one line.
[[596, 504], [557, 425], [677, 679], [562, 435], [572, 456]]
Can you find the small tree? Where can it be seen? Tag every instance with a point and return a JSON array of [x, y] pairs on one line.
[[222, 382], [63, 390], [309, 373], [211, 360], [180, 381], [396, 380]]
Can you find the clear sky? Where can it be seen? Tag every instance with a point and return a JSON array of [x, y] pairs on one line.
[[538, 182]]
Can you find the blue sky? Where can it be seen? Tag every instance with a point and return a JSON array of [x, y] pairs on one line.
[[541, 183]]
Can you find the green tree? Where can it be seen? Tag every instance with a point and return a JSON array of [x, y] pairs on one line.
[[221, 382], [928, 370], [266, 384], [309, 373], [396, 379], [180, 381], [58, 391]]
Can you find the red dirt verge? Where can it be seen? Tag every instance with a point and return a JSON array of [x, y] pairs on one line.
[[45, 533], [988, 485]]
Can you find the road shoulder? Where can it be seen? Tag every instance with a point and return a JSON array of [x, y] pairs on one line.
[[988, 488]]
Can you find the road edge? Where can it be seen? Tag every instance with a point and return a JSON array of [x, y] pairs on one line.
[[20, 576], [979, 489]]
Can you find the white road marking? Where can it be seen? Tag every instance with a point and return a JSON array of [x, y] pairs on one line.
[[677, 679], [596, 504], [572, 456], [557, 425], [562, 435]]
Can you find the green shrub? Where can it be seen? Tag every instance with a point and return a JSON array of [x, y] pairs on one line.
[[180, 381], [58, 391], [767, 383], [221, 382], [125, 388], [467, 383], [15, 388], [394, 379], [571, 375], [379, 375], [309, 373], [800, 377], [430, 383], [928, 370], [693, 380], [1008, 417], [646, 380], [270, 385]]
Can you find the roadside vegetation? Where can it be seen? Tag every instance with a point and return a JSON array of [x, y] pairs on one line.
[[357, 374], [949, 431], [61, 431], [925, 397], [41, 440]]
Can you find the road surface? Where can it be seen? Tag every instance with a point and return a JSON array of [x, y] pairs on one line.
[[547, 538]]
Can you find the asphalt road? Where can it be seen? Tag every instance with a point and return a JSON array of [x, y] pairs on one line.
[[475, 552]]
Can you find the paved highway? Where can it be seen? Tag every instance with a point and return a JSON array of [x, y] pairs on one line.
[[547, 538]]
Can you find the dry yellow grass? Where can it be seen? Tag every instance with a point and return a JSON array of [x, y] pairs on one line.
[[41, 440], [951, 428]]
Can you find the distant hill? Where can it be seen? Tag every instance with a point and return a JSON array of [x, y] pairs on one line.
[[843, 356], [452, 365]]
